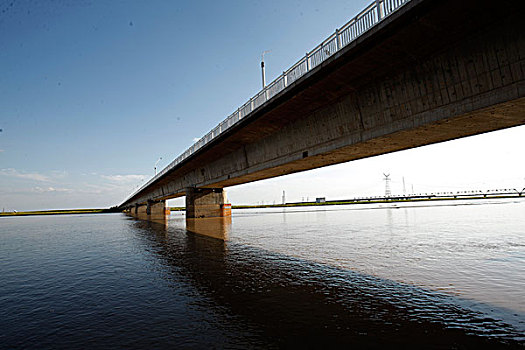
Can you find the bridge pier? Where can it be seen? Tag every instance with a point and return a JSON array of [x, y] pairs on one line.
[[157, 210], [152, 210], [206, 203]]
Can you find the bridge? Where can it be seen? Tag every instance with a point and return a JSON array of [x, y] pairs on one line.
[[401, 74]]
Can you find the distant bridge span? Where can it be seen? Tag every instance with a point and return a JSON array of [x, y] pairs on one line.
[[402, 74]]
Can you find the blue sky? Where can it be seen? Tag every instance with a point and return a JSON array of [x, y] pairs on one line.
[[93, 93]]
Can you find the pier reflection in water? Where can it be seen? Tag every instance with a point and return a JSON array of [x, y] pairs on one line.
[[288, 301], [211, 227], [214, 227]]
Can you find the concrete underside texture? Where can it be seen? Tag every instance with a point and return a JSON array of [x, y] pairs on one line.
[[206, 203], [434, 71]]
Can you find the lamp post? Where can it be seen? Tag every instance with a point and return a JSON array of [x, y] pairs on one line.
[[262, 68], [158, 160]]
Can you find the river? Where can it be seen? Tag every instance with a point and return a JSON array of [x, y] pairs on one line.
[[440, 276]]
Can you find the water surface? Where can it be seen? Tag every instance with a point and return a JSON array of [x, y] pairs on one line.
[[433, 277]]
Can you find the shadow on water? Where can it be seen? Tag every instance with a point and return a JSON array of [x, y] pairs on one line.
[[290, 302]]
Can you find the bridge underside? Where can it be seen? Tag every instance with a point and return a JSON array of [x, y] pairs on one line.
[[434, 71]]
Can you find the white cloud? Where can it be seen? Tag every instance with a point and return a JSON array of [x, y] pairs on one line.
[[124, 178], [51, 189], [35, 190], [23, 175]]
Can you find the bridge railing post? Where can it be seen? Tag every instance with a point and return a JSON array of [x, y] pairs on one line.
[[379, 10], [337, 39], [307, 62], [285, 80]]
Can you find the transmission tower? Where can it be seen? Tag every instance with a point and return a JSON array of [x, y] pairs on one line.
[[387, 185]]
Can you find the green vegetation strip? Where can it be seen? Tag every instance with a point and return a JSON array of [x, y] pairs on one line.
[[56, 212]]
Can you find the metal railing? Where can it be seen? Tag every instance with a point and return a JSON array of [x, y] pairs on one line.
[[366, 19]]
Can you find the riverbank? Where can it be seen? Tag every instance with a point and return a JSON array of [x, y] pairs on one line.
[[57, 212]]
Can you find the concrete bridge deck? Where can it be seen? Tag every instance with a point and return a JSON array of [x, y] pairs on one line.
[[434, 70]]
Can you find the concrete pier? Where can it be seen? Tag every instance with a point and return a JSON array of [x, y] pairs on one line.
[[157, 210], [152, 210], [206, 203]]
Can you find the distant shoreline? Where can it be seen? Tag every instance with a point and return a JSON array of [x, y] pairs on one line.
[[57, 212], [287, 205], [407, 199]]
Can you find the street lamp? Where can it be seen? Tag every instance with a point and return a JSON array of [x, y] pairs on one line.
[[158, 160], [262, 69]]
